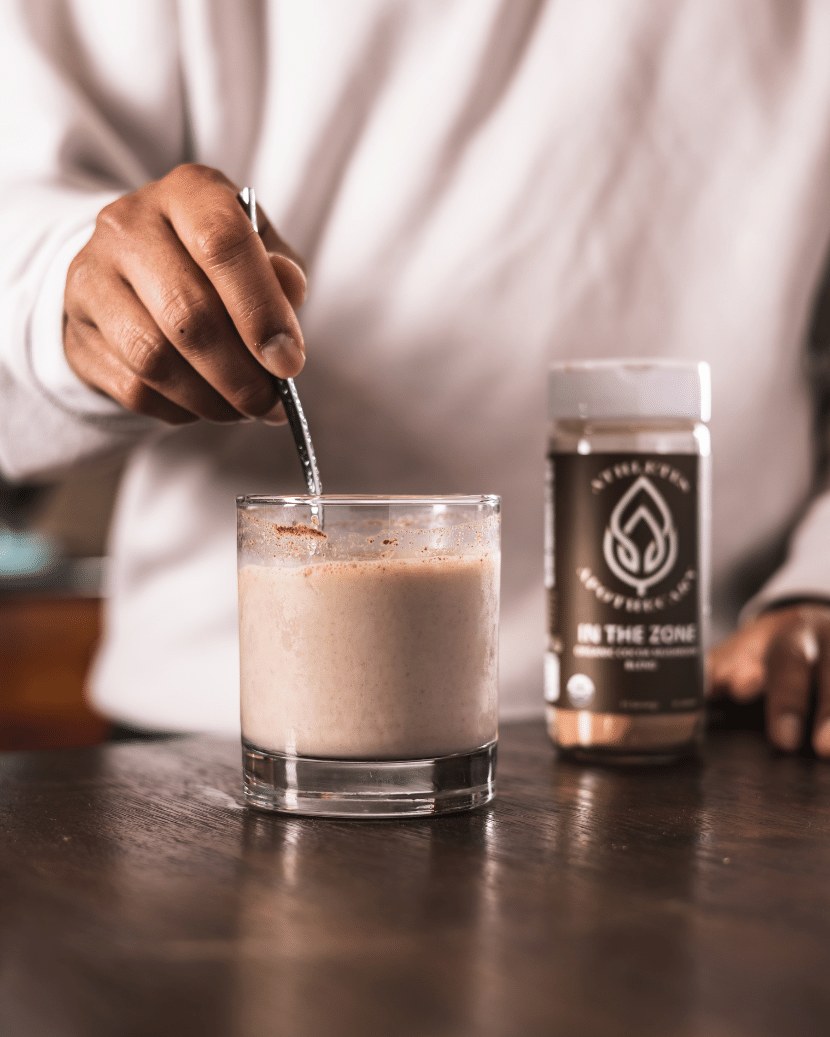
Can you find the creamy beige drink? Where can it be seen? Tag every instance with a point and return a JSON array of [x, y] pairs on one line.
[[374, 658]]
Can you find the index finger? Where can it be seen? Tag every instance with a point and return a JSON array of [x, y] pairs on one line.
[[288, 264], [790, 661], [216, 232], [821, 725]]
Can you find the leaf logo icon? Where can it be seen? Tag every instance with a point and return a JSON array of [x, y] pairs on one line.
[[643, 565]]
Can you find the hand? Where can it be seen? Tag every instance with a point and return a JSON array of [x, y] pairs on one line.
[[781, 653], [178, 309]]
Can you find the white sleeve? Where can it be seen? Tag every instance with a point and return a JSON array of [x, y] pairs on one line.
[[806, 571], [77, 126]]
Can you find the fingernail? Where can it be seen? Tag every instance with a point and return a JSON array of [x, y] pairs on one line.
[[821, 738], [809, 645], [786, 731], [275, 416], [283, 355]]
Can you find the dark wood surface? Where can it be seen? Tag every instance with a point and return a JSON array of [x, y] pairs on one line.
[[137, 896]]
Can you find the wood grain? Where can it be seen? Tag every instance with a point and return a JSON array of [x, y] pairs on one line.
[[138, 896]]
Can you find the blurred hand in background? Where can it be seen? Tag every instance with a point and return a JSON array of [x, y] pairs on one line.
[[783, 654]]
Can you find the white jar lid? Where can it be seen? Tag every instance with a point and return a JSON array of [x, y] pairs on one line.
[[630, 388]]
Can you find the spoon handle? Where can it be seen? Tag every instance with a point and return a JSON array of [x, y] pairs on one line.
[[288, 393], [302, 437]]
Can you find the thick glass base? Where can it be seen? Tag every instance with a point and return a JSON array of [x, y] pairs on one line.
[[621, 738], [368, 788]]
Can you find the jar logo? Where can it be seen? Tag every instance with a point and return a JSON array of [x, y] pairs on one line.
[[643, 556]]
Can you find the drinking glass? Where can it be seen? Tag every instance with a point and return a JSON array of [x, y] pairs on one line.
[[369, 652]]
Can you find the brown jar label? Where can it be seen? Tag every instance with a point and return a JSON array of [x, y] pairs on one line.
[[623, 567]]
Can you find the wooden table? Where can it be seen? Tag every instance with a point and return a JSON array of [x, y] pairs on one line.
[[137, 896]]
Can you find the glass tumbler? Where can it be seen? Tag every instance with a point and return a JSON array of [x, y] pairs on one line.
[[369, 653]]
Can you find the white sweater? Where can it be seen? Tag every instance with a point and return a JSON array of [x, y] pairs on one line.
[[478, 186]]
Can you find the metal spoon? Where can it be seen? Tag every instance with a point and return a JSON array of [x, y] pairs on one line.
[[288, 393]]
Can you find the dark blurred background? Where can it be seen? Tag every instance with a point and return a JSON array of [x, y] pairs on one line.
[[52, 583]]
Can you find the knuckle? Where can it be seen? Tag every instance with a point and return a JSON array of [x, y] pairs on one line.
[[78, 278], [260, 313], [189, 319], [79, 265], [147, 355], [78, 341], [802, 616], [221, 239], [133, 394], [786, 650], [114, 219], [73, 348], [190, 173], [815, 614]]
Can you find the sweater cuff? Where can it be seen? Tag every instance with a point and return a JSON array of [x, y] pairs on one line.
[[49, 365], [805, 575]]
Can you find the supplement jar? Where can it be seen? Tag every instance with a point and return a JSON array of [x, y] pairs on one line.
[[627, 557]]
